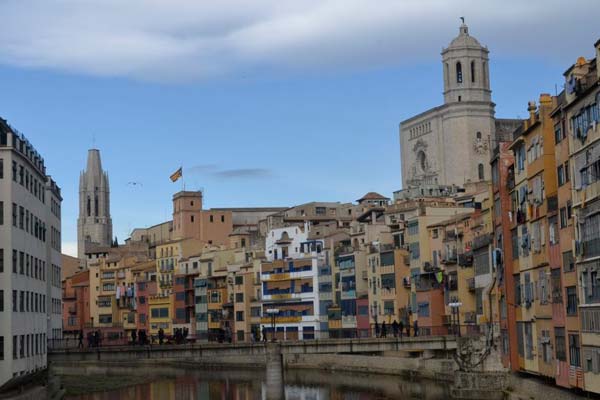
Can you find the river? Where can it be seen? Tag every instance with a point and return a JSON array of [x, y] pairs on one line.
[[172, 383]]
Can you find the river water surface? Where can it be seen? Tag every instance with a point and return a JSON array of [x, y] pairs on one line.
[[172, 383]]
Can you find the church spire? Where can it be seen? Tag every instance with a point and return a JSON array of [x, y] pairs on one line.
[[94, 225]]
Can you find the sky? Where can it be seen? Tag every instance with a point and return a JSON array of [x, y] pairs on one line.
[[263, 103]]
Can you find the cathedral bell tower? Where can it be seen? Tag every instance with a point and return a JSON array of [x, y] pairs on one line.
[[94, 225], [466, 69]]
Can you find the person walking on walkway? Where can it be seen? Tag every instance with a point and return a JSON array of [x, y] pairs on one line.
[[376, 329], [383, 330], [401, 327], [133, 337], [416, 327], [264, 334], [161, 336], [80, 344], [395, 328]]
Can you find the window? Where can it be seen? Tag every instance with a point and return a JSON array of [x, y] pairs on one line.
[[528, 331], [472, 71], [559, 338], [514, 235], [239, 316], [1, 260], [105, 318], [222, 218], [546, 344], [560, 174], [567, 174], [574, 355], [568, 261], [423, 309], [388, 307], [558, 134], [480, 172], [563, 218], [239, 280], [192, 218], [180, 313], [180, 296], [459, 77], [239, 297], [211, 219], [553, 230], [556, 286], [571, 300], [255, 311], [590, 320]]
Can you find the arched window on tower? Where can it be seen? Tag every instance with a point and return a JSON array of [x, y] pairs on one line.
[[459, 77], [480, 171], [96, 205], [478, 135], [472, 71], [89, 206]]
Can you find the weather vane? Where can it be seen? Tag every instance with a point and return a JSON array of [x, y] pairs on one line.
[[462, 19]]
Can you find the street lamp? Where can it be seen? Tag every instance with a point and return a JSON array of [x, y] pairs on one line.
[[273, 313], [455, 306]]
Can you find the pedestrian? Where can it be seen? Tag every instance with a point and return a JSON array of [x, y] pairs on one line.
[[161, 336], [401, 327], [376, 329], [80, 344], [264, 334], [383, 330], [395, 328], [416, 327], [97, 339], [90, 339], [133, 337]]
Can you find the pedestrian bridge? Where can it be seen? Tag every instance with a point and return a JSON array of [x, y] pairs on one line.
[[199, 351]]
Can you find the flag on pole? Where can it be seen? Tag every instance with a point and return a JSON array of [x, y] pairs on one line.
[[177, 174]]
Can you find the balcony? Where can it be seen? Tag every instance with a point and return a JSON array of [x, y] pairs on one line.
[[465, 259], [349, 321], [450, 257], [325, 296], [470, 317]]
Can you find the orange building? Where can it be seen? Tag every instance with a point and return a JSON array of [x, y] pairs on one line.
[[76, 302]]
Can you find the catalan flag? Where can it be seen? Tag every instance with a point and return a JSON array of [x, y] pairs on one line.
[[177, 174]]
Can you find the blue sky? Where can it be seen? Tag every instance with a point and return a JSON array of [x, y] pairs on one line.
[[307, 108]]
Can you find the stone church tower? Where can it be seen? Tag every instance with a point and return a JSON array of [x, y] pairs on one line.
[[94, 225], [450, 144]]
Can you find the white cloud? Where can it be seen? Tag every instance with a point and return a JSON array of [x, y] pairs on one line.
[[168, 40], [69, 248]]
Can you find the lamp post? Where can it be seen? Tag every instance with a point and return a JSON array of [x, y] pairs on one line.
[[273, 313], [455, 310]]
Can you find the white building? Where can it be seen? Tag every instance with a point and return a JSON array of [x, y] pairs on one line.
[[30, 260], [290, 283]]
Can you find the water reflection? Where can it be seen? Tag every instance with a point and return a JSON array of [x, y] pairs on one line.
[[176, 384]]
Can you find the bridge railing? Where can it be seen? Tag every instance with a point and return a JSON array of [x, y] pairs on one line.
[[256, 337]]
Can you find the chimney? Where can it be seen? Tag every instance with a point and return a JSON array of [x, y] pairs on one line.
[[532, 109]]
